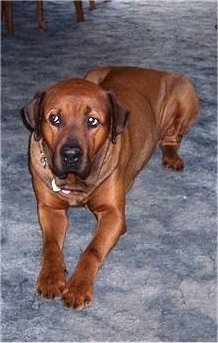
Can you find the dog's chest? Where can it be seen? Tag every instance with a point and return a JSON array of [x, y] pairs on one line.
[[75, 198]]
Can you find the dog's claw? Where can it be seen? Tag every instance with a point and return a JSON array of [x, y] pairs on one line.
[[50, 285], [78, 295]]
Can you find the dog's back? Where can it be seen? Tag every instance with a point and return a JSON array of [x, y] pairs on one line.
[[165, 104], [154, 85]]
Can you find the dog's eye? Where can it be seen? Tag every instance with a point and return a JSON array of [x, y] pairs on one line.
[[92, 122], [55, 119]]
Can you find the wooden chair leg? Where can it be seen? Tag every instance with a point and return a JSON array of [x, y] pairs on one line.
[[40, 15], [7, 14], [2, 10], [79, 10], [92, 5]]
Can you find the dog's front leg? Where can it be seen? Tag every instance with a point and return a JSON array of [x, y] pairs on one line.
[[108, 206], [51, 280]]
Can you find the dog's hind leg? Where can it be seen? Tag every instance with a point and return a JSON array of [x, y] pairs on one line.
[[179, 112]]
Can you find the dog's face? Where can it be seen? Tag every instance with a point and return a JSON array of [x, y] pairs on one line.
[[74, 118]]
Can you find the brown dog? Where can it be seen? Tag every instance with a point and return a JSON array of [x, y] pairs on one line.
[[90, 139]]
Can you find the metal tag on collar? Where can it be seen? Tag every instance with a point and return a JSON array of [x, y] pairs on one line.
[[43, 160]]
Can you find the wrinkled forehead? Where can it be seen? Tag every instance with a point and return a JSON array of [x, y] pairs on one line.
[[77, 93]]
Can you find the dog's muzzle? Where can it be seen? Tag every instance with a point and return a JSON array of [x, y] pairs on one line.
[[70, 159]]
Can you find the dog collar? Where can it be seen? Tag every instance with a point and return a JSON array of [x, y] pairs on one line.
[[42, 155], [43, 160]]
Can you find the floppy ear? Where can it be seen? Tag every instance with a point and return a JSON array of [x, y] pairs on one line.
[[32, 114], [119, 117]]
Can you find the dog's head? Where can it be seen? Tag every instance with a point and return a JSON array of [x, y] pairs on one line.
[[74, 118]]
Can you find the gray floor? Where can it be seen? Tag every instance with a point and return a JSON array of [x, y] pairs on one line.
[[159, 283]]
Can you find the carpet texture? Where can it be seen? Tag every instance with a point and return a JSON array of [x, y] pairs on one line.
[[159, 283]]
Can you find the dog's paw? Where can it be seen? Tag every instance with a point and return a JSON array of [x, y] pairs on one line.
[[171, 159], [51, 282], [173, 162], [78, 294]]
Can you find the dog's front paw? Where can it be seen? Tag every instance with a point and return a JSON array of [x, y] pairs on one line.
[[51, 282], [78, 293]]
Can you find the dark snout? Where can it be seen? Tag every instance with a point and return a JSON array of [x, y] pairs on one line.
[[71, 159]]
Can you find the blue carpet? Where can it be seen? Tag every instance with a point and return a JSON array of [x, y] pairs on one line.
[[159, 283]]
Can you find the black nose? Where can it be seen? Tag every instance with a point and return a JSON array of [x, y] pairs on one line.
[[72, 155]]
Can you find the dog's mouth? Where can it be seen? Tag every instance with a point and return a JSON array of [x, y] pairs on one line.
[[66, 189], [66, 169], [56, 188], [63, 175], [70, 176]]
